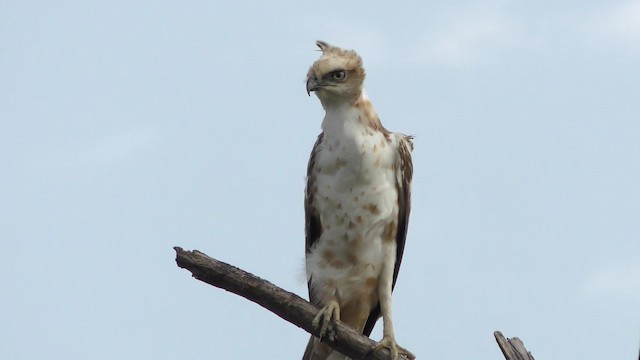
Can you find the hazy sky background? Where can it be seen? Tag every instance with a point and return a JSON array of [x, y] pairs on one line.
[[129, 127]]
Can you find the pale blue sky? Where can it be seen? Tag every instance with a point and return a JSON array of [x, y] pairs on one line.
[[129, 127]]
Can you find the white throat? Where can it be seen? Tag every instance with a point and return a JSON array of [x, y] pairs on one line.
[[342, 116]]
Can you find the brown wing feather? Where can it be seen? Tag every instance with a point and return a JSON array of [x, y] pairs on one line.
[[312, 225], [404, 203]]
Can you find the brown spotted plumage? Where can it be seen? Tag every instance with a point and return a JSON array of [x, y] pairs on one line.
[[357, 204]]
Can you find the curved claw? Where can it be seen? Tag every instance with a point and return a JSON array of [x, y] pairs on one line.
[[397, 351], [326, 319]]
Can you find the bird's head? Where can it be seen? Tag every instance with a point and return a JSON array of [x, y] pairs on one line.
[[337, 76]]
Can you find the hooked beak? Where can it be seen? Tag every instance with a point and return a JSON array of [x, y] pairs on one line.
[[312, 85]]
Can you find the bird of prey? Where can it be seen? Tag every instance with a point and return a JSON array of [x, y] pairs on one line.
[[357, 203]]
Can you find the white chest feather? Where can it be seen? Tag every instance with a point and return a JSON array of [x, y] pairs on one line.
[[356, 198]]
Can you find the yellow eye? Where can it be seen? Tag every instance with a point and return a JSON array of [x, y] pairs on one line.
[[339, 75]]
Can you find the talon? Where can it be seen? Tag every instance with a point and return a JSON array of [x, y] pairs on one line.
[[326, 319], [394, 349]]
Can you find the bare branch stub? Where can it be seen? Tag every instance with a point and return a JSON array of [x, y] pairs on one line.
[[285, 304], [512, 349]]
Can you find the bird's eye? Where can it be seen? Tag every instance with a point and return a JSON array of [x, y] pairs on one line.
[[339, 75]]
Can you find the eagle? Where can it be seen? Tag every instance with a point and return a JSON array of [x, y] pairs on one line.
[[357, 204]]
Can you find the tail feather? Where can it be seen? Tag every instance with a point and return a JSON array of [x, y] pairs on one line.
[[308, 352], [316, 350]]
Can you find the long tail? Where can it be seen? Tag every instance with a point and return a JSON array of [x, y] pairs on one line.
[[316, 350], [308, 352]]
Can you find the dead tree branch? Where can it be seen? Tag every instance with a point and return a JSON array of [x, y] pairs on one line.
[[287, 305], [512, 349], [298, 311]]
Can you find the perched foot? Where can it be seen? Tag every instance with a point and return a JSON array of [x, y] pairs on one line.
[[326, 320], [395, 349]]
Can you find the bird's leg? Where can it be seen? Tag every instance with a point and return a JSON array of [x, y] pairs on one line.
[[326, 319], [384, 294], [389, 339]]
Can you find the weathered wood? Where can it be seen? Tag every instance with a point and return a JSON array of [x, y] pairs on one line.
[[300, 312], [287, 305], [512, 349]]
